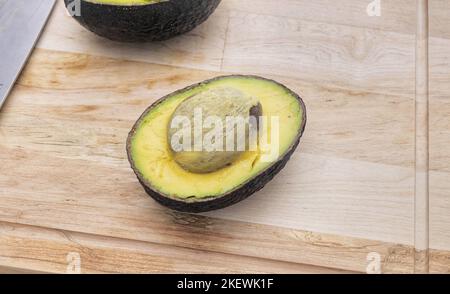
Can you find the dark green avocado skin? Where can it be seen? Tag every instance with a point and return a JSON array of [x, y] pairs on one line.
[[144, 23], [242, 192]]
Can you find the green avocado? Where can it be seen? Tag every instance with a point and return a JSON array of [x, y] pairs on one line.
[[141, 20], [199, 178]]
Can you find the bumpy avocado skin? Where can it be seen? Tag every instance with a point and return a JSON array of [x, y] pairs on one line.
[[242, 192], [144, 23]]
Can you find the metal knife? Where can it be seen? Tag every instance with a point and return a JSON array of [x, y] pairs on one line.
[[21, 22]]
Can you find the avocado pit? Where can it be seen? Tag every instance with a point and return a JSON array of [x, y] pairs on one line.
[[210, 130]]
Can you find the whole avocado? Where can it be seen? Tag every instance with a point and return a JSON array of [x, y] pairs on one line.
[[141, 21]]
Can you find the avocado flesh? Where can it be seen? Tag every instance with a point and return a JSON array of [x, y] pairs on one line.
[[153, 161]]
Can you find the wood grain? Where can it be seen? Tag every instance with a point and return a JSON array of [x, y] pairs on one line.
[[421, 197], [346, 193], [439, 20], [92, 129], [80, 138], [201, 48], [41, 249], [439, 133], [348, 57], [396, 15]]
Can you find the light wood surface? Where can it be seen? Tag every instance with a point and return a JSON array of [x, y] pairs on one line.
[[439, 130], [66, 185], [421, 197]]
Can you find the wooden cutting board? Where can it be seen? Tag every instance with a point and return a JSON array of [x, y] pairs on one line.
[[345, 199]]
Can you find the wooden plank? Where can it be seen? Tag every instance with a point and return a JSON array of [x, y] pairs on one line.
[[8, 270], [132, 215], [439, 20], [395, 15], [90, 123], [343, 56], [439, 133], [208, 234], [372, 210], [63, 128], [439, 261], [421, 190], [29, 249], [67, 91], [201, 48]]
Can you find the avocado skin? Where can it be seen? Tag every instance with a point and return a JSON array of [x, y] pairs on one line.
[[243, 191], [144, 23]]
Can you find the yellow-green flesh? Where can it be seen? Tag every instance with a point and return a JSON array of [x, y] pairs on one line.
[[125, 2], [152, 157]]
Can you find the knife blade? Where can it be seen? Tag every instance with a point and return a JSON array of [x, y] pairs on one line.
[[21, 22]]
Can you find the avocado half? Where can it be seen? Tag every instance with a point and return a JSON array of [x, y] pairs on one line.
[[141, 20], [152, 158]]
